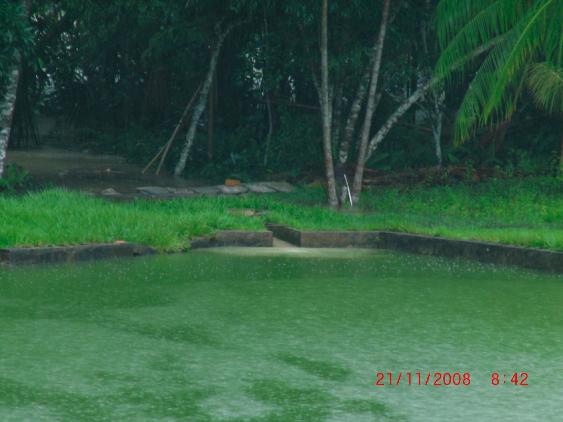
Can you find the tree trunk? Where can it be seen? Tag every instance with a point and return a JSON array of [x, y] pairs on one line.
[[337, 114], [200, 106], [355, 110], [326, 111], [401, 110], [267, 93], [8, 105], [211, 120], [270, 128], [438, 114], [7, 113], [370, 108], [561, 158], [350, 129]]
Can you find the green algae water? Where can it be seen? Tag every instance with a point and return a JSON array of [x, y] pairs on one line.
[[279, 335]]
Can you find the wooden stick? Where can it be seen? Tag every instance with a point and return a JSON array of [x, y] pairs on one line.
[[178, 128], [166, 147], [153, 159]]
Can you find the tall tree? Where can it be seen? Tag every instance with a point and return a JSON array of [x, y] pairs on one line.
[[8, 102], [222, 34], [326, 110], [370, 108]]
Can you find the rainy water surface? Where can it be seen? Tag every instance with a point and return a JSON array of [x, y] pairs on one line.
[[278, 335]]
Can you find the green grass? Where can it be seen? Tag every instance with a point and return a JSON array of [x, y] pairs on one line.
[[527, 212]]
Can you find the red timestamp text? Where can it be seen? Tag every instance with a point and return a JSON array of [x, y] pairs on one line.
[[516, 378], [435, 379]]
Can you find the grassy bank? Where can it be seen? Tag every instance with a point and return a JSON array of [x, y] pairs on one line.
[[526, 212]]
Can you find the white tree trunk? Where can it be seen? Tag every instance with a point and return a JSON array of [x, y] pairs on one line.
[[438, 116], [326, 110], [370, 108], [7, 107], [202, 102], [397, 114], [353, 117]]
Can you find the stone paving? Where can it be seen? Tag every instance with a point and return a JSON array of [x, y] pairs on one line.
[[159, 192]]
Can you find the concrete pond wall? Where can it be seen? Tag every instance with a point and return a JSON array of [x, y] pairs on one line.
[[424, 245], [412, 243]]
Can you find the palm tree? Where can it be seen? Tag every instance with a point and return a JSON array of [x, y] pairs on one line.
[[525, 53]]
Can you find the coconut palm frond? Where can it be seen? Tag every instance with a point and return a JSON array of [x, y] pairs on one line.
[[528, 31], [473, 112], [454, 14], [529, 37], [545, 82], [553, 49], [490, 22]]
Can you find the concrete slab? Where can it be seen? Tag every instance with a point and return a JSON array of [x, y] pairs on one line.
[[154, 191], [232, 190], [207, 190], [280, 186], [259, 188]]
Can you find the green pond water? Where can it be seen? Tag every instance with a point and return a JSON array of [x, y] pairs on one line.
[[277, 335]]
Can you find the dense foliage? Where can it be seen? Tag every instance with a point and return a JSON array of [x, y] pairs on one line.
[[117, 76]]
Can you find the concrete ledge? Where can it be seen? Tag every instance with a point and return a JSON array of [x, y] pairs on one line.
[[344, 239], [479, 251], [324, 239], [425, 245], [285, 233], [263, 239], [53, 255]]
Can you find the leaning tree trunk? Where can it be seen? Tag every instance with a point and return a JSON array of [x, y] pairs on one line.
[[7, 107], [370, 108], [202, 102], [410, 101], [397, 114], [327, 112]]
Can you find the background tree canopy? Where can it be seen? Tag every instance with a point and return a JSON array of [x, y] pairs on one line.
[[120, 74]]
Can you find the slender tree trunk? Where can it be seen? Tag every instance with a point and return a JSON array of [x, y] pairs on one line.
[[350, 129], [7, 108], [270, 128], [337, 114], [211, 121], [353, 117], [326, 111], [437, 135], [200, 106], [561, 158], [397, 114], [438, 114], [8, 104], [269, 111], [370, 108]]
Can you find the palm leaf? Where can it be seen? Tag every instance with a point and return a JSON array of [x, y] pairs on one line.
[[485, 25], [545, 82], [526, 30], [529, 36]]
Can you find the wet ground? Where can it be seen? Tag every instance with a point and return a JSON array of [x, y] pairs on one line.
[[91, 172]]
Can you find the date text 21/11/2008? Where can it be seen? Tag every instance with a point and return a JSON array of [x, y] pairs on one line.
[[445, 379]]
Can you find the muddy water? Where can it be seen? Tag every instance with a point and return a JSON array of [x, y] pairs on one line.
[[279, 335]]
